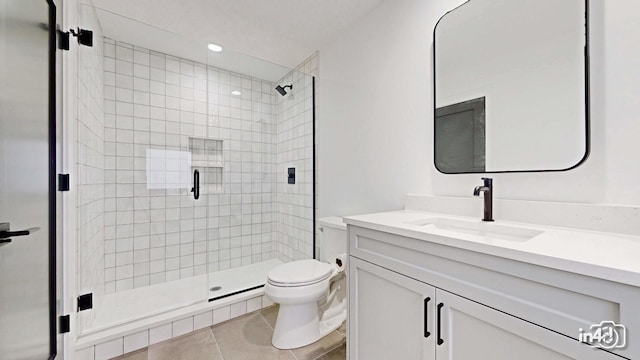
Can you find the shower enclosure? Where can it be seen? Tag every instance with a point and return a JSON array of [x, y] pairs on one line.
[[183, 160]]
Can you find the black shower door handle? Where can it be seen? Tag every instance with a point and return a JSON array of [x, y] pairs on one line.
[[6, 234], [196, 184]]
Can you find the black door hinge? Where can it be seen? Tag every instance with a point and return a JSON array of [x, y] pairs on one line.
[[85, 37], [85, 302], [63, 182], [63, 40], [65, 324]]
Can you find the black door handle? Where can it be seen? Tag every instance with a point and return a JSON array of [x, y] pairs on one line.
[[6, 234], [439, 330], [426, 317], [196, 184]]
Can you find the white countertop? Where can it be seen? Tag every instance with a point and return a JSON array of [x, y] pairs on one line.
[[609, 256]]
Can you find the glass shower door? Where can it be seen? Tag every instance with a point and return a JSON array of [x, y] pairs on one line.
[[142, 180], [24, 180], [261, 212], [182, 181]]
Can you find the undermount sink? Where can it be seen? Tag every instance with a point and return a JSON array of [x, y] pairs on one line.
[[483, 229]]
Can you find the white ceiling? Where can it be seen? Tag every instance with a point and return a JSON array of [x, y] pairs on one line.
[[134, 32], [284, 32]]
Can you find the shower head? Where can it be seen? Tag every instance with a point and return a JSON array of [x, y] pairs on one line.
[[283, 89]]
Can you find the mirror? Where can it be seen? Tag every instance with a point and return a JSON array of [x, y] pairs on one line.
[[511, 86]]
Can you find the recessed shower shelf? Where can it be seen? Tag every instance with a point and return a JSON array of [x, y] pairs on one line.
[[207, 157], [204, 164]]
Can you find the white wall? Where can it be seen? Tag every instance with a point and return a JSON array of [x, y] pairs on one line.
[[373, 109], [375, 123]]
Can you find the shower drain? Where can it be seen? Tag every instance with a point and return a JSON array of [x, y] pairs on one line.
[[216, 288]]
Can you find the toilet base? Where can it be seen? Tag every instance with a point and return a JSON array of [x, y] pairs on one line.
[[300, 324], [296, 326], [333, 321]]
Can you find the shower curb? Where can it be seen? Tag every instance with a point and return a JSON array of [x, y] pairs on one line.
[[124, 339]]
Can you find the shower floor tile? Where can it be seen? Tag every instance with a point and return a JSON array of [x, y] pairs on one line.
[[244, 338]]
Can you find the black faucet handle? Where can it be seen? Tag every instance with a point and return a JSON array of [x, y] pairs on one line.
[[487, 181]]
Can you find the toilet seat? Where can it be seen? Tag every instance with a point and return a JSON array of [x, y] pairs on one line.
[[300, 273]]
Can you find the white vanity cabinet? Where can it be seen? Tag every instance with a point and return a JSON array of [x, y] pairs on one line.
[[412, 299], [474, 331], [390, 314]]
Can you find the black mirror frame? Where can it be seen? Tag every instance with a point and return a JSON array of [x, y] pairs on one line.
[[587, 50]]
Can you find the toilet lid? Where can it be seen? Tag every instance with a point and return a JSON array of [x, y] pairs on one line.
[[300, 272]]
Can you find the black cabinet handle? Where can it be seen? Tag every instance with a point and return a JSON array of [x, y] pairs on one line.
[[196, 184], [439, 330], [426, 317]]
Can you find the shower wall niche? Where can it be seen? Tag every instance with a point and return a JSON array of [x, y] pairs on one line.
[[207, 156]]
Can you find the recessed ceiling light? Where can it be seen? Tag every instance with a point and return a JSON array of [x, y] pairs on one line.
[[236, 93], [215, 48]]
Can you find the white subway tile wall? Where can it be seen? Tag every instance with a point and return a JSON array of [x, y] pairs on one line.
[[136, 341], [238, 309], [203, 320], [109, 349], [156, 101], [183, 326], [294, 116], [160, 333], [254, 304]]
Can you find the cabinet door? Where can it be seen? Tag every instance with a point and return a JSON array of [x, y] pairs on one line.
[[471, 331], [391, 316]]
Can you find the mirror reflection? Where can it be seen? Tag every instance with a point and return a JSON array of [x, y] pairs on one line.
[[510, 86]]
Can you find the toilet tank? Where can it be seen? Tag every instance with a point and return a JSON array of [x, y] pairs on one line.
[[332, 238]]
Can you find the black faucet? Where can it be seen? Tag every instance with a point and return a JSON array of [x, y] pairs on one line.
[[487, 189]]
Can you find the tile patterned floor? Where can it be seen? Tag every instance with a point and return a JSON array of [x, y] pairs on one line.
[[244, 338]]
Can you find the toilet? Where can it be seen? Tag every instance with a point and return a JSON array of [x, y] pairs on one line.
[[312, 293]]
